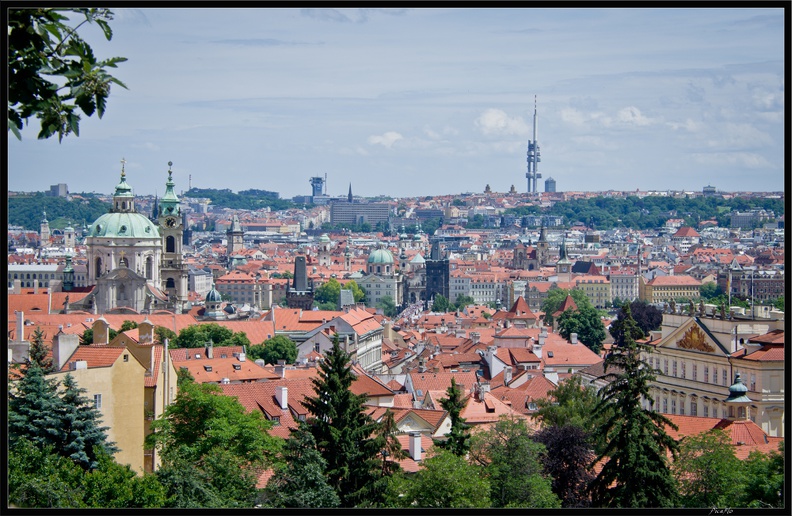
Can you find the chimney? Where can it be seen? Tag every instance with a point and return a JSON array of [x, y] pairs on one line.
[[475, 337], [20, 325], [242, 357], [35, 286], [17, 286], [63, 347], [573, 338], [280, 369], [507, 375], [78, 364], [282, 395], [551, 374], [210, 349], [415, 446]]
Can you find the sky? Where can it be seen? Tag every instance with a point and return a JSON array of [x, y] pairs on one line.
[[428, 101]]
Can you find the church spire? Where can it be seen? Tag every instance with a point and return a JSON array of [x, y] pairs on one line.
[[170, 202], [349, 195]]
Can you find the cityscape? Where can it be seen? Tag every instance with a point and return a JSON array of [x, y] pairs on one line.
[[325, 338]]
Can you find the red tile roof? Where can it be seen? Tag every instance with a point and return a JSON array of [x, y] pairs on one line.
[[95, 356]]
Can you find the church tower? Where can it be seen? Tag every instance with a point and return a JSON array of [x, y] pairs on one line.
[[325, 247], [542, 247], [234, 236], [44, 234], [173, 275]]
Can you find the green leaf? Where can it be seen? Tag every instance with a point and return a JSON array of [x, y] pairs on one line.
[[74, 123], [101, 103], [108, 32], [14, 129]]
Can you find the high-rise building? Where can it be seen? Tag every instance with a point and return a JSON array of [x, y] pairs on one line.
[[550, 185]]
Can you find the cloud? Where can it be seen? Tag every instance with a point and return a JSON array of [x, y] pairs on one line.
[[628, 116], [631, 115], [739, 136], [386, 140], [496, 122], [740, 159], [349, 15], [260, 42], [688, 125]]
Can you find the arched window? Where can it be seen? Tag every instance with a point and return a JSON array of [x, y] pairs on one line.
[[170, 283], [121, 292], [123, 261], [149, 268], [170, 244], [98, 266]]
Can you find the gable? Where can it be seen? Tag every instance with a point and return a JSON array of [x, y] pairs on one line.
[[693, 336]]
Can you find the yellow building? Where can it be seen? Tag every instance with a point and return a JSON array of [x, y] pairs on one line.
[[664, 289], [114, 379], [597, 288]]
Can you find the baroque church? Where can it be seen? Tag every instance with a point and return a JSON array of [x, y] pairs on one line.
[[134, 263]]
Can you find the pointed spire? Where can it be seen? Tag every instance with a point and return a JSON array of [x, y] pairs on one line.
[[349, 196], [170, 202]]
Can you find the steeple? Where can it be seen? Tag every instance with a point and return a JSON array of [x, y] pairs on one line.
[[737, 401], [170, 202], [123, 199], [349, 196]]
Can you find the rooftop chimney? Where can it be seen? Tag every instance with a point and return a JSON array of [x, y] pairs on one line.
[[20, 325], [415, 446], [475, 337], [210, 350], [282, 395], [242, 357], [573, 338], [507, 375], [63, 347], [35, 286]]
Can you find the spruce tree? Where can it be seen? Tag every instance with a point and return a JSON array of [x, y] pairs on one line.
[[33, 408], [635, 470], [39, 352], [83, 437], [344, 433], [458, 439]]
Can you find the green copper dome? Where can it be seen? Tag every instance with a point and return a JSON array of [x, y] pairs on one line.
[[123, 225], [381, 257], [213, 296]]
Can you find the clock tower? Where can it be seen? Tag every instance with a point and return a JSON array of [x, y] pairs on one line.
[[173, 272]]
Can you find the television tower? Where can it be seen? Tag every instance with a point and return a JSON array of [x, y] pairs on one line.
[[533, 157]]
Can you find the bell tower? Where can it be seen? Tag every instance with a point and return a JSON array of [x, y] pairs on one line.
[[174, 272]]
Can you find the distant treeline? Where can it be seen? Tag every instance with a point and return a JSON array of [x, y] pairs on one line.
[[244, 200], [27, 211], [651, 211]]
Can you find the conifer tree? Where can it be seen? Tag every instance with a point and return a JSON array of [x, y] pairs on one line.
[[38, 352], [635, 472], [344, 433], [84, 440], [299, 480], [33, 408], [458, 439]]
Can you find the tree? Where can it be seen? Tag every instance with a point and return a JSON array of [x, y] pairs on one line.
[[512, 462], [200, 335], [778, 304], [555, 298], [764, 479], [566, 462], [445, 480], [635, 471], [277, 348], [707, 471], [646, 317], [83, 439], [113, 485], [161, 333], [127, 325], [586, 322], [299, 479], [390, 453], [39, 477], [388, 307], [41, 43], [440, 304], [39, 353], [570, 403], [357, 291], [212, 449], [328, 292], [33, 408], [463, 301], [457, 440], [344, 432], [710, 290]]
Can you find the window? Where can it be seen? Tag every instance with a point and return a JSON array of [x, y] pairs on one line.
[[706, 410], [673, 406], [693, 406], [725, 377], [98, 401], [665, 404], [666, 367], [706, 374], [126, 358], [675, 367], [694, 369], [753, 382], [715, 375]]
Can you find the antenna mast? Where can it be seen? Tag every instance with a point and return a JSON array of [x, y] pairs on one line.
[[533, 156]]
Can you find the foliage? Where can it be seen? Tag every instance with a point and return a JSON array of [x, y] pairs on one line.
[[113, 485], [212, 449], [39, 477], [764, 479], [707, 471], [244, 200], [161, 333], [33, 408], [39, 353], [779, 303], [82, 440], [568, 456], [512, 462], [647, 318], [344, 432], [586, 322], [26, 210], [555, 298], [277, 348], [709, 290], [299, 479], [127, 325], [389, 308], [440, 304], [570, 403], [42, 43], [390, 453], [635, 472], [328, 292], [86, 338], [463, 301], [445, 480], [457, 441], [199, 335]]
